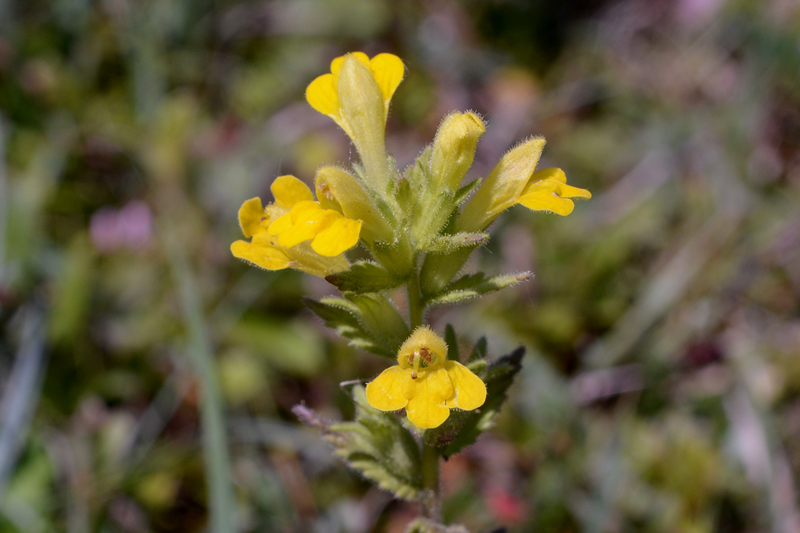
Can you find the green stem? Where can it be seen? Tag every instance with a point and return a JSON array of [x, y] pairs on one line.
[[431, 498], [416, 308]]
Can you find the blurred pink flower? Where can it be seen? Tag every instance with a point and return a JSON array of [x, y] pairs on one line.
[[697, 13], [506, 507], [129, 227]]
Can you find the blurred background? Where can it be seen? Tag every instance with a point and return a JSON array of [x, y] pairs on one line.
[[139, 360]]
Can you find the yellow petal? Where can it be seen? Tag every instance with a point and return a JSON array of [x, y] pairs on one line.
[[388, 70], [502, 187], [268, 257], [389, 391], [307, 228], [341, 235], [555, 174], [321, 95], [250, 215], [280, 225], [555, 180], [568, 191], [470, 390], [264, 239], [336, 64], [426, 408], [543, 200], [306, 210], [289, 190]]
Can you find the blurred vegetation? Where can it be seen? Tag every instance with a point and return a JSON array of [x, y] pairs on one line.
[[661, 390]]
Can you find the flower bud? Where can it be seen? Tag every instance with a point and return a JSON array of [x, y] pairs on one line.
[[454, 149], [362, 111], [339, 190], [502, 187]]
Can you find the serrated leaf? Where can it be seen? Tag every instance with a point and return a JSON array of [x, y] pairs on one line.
[[478, 367], [449, 243], [480, 350], [364, 277], [474, 285], [375, 444], [382, 319], [370, 321], [462, 428]]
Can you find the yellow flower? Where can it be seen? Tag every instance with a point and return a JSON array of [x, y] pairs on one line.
[[338, 189], [513, 181], [425, 382], [547, 190], [281, 232], [323, 93], [356, 95]]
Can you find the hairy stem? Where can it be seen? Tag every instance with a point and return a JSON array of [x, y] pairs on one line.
[[431, 498], [416, 308]]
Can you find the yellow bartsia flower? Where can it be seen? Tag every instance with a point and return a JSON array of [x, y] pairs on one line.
[[547, 190], [356, 95], [339, 190], [425, 382], [295, 231], [324, 92], [513, 181]]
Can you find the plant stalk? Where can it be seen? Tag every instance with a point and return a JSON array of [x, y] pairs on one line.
[[431, 497], [416, 309]]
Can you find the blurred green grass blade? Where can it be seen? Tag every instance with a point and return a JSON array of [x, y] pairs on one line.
[[3, 198], [222, 506], [21, 394]]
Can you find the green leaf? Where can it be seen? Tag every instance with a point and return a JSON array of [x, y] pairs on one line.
[[478, 367], [466, 190], [418, 174], [451, 243], [438, 270], [480, 350], [462, 428], [474, 285], [396, 257], [432, 212], [375, 444], [363, 277], [452, 343], [370, 321]]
